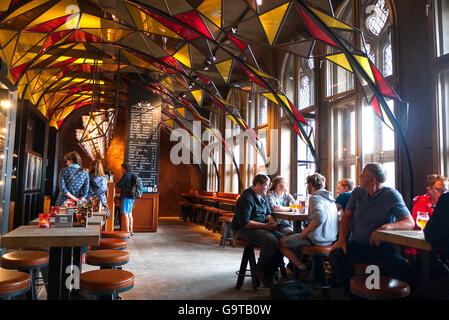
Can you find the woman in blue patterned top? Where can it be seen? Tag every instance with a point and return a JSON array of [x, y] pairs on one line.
[[73, 180]]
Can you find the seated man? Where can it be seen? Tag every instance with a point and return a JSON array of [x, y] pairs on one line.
[[372, 207], [323, 217], [253, 222]]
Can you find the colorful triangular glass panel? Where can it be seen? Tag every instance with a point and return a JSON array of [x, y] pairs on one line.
[[211, 9], [271, 21], [316, 31]]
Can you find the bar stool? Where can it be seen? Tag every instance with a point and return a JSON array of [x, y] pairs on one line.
[[360, 267], [105, 284], [107, 259], [13, 283], [249, 257], [197, 212], [185, 210], [389, 288], [318, 254], [118, 234], [227, 233], [26, 261], [219, 224], [110, 243], [211, 217]]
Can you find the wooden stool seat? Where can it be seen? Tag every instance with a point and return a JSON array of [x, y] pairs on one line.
[[244, 243], [13, 283], [226, 213], [184, 203], [389, 288], [24, 259], [311, 250], [115, 234], [228, 219], [107, 258], [111, 243], [106, 281], [197, 205]]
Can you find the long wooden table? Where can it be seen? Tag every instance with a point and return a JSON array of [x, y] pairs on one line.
[[209, 198], [65, 251]]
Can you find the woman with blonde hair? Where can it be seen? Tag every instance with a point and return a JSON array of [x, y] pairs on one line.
[[98, 184], [279, 200], [73, 180]]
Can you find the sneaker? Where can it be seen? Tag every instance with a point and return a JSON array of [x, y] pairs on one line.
[[132, 233]]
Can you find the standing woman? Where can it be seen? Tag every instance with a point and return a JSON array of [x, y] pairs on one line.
[[98, 184], [127, 198], [73, 180]]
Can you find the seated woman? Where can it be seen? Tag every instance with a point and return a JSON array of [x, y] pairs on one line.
[[344, 189], [323, 217], [436, 185], [279, 200]]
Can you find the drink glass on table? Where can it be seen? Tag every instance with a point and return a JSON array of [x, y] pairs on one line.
[[421, 219]]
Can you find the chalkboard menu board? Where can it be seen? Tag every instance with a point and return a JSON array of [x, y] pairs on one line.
[[142, 149]]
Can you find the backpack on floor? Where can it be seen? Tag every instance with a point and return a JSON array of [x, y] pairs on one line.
[[290, 290]]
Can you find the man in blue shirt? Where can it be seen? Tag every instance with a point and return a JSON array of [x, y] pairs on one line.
[[372, 207], [254, 223]]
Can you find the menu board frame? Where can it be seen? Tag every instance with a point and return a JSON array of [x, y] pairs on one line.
[[143, 143]]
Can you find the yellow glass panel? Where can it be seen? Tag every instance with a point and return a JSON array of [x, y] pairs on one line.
[[89, 21], [42, 108], [61, 9], [341, 60], [114, 35], [139, 62], [167, 83], [211, 9], [5, 36], [183, 56], [27, 40], [27, 7], [146, 23], [271, 21], [270, 97], [386, 119], [330, 21], [198, 95], [224, 68], [182, 111], [71, 23], [285, 101], [170, 123], [258, 72], [232, 118], [365, 64], [9, 51], [4, 5]]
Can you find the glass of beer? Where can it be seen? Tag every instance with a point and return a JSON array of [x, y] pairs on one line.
[[421, 219]]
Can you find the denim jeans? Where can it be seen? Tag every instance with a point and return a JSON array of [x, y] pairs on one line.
[[268, 241], [393, 264]]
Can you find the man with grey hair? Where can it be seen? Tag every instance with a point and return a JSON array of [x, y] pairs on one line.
[[372, 207]]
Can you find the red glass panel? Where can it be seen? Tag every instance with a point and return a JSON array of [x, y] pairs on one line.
[[383, 86], [17, 72], [193, 19], [83, 37], [375, 105], [253, 77], [49, 26], [53, 38], [207, 81], [172, 62], [316, 31], [241, 45], [183, 32], [296, 113]]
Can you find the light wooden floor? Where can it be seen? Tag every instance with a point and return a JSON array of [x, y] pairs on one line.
[[183, 261]]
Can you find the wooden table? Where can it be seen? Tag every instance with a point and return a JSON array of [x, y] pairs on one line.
[[290, 216], [94, 220], [65, 246], [410, 238]]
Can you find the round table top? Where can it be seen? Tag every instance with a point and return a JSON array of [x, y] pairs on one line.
[[291, 216]]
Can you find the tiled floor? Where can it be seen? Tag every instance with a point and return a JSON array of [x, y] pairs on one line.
[[183, 261]]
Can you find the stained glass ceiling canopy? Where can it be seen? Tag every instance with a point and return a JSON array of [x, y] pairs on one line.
[[188, 51]]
